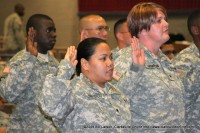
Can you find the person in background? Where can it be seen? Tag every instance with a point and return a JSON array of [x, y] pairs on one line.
[[190, 55], [14, 36], [146, 75], [87, 103], [93, 26], [122, 36], [168, 49], [24, 75], [188, 61]]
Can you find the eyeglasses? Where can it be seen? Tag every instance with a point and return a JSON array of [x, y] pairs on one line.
[[169, 52], [101, 28]]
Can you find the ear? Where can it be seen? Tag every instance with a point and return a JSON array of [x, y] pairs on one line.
[[119, 36], [83, 35], [195, 30], [84, 64], [143, 32]]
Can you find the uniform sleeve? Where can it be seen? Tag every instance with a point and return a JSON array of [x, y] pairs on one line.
[[131, 78], [191, 85], [16, 78], [19, 33], [56, 99]]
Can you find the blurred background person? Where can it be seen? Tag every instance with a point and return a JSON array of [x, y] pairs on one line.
[[14, 36], [190, 55], [168, 49], [93, 26], [122, 36]]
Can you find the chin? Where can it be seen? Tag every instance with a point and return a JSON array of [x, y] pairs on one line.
[[109, 78]]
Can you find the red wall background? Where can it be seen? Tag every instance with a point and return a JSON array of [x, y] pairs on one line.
[[110, 6]]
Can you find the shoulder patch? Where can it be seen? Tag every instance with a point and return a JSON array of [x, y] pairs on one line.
[[116, 74]]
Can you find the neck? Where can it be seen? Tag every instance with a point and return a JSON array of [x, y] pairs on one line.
[[152, 47], [197, 42], [92, 79]]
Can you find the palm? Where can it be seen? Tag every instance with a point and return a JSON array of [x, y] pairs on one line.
[[71, 55], [138, 56], [31, 46]]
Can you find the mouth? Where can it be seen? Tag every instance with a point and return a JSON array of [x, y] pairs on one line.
[[53, 41], [110, 71]]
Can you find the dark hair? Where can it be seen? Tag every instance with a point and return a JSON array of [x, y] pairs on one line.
[[35, 21], [118, 24], [86, 49], [192, 20], [18, 6]]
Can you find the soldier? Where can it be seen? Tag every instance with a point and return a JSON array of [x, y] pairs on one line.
[[189, 56], [93, 26], [122, 36], [188, 61], [145, 74], [24, 76], [14, 37], [87, 103]]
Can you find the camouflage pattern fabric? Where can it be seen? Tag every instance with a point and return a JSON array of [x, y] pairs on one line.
[[14, 36], [79, 106], [21, 85], [156, 93], [186, 58], [189, 62], [192, 99]]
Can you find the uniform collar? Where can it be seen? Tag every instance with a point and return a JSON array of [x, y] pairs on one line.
[[108, 89]]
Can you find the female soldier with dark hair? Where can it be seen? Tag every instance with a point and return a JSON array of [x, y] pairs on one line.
[[87, 103]]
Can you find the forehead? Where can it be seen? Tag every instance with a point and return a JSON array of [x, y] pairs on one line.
[[46, 23], [160, 14], [124, 25], [102, 48], [97, 22]]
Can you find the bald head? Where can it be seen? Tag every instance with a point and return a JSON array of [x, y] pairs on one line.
[[86, 21], [90, 25]]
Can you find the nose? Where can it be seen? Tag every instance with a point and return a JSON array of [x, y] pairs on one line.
[[54, 34], [110, 63], [166, 23]]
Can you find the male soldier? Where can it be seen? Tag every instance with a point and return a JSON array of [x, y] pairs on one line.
[[189, 56], [24, 75], [14, 38], [93, 26], [168, 49], [148, 78], [188, 61], [122, 36]]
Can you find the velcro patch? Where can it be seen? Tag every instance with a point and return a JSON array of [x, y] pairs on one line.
[[116, 74]]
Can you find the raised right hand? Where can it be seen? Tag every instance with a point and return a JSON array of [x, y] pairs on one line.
[[31, 45], [138, 56], [71, 55]]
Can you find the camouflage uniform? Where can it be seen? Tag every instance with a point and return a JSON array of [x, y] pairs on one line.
[[115, 53], [155, 91], [79, 106], [21, 86], [186, 58], [193, 99], [14, 37]]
